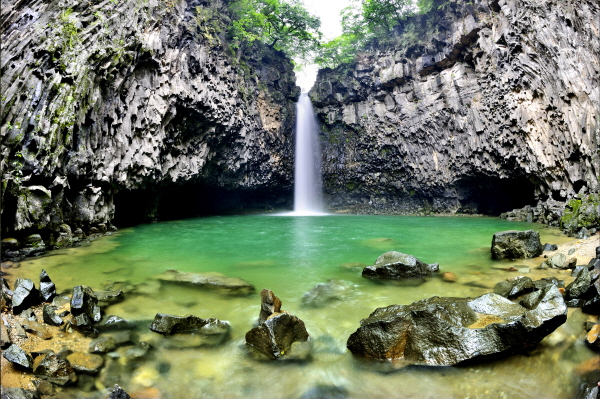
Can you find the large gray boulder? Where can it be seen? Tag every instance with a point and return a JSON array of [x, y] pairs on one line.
[[446, 331], [231, 286], [394, 265], [324, 293], [515, 244]]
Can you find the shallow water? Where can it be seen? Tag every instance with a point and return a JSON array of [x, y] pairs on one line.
[[289, 255]]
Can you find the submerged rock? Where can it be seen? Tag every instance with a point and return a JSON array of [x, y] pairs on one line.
[[227, 285], [102, 345], [446, 331], [323, 293], [84, 301], [281, 335], [516, 287], [515, 244], [18, 393], [549, 247], [106, 298], [190, 331], [24, 296], [85, 362], [114, 323], [396, 265], [47, 287], [18, 356], [119, 393]]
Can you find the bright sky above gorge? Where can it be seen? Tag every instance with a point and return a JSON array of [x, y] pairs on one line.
[[329, 13]]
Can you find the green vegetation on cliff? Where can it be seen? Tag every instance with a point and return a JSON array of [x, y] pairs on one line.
[[373, 22]]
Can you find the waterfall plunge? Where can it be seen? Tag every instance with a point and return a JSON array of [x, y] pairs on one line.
[[308, 183]]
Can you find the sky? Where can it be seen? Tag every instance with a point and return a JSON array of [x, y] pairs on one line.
[[329, 13]]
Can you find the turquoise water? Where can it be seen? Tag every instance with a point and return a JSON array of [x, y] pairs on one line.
[[289, 255]]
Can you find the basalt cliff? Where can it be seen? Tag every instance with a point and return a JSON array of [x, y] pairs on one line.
[[481, 107], [121, 112]]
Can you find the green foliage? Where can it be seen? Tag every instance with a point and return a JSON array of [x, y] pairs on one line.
[[367, 21], [285, 25]]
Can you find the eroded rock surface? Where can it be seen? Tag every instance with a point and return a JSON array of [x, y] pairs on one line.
[[496, 111], [118, 110], [515, 244], [446, 331], [280, 334]]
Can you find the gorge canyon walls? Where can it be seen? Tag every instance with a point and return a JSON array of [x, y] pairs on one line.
[[120, 112], [482, 107]]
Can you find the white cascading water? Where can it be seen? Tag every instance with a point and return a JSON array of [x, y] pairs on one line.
[[308, 183]]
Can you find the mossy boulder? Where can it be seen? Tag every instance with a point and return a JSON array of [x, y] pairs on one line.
[[582, 211]]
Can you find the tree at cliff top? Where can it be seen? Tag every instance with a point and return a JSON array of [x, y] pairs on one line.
[[283, 24], [366, 21]]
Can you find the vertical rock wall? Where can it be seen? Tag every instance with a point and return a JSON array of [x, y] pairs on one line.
[[486, 106], [112, 106]]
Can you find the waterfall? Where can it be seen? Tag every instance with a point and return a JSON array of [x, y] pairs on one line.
[[308, 183]]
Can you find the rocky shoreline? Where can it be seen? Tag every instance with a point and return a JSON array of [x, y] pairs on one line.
[[57, 343]]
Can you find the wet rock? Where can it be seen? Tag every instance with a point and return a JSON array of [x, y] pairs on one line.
[[137, 351], [276, 336], [324, 293], [50, 316], [326, 392], [5, 294], [47, 287], [549, 247], [544, 282], [56, 370], [24, 296], [118, 393], [114, 323], [581, 287], [281, 335], [269, 304], [592, 305], [592, 338], [515, 244], [102, 345], [396, 265], [598, 252], [85, 362], [190, 331], [556, 261], [18, 357], [44, 387], [446, 331], [18, 393], [84, 324], [231, 286], [36, 329], [121, 337], [4, 337], [84, 301], [514, 288]]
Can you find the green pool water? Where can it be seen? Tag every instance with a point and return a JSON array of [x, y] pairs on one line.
[[289, 255]]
